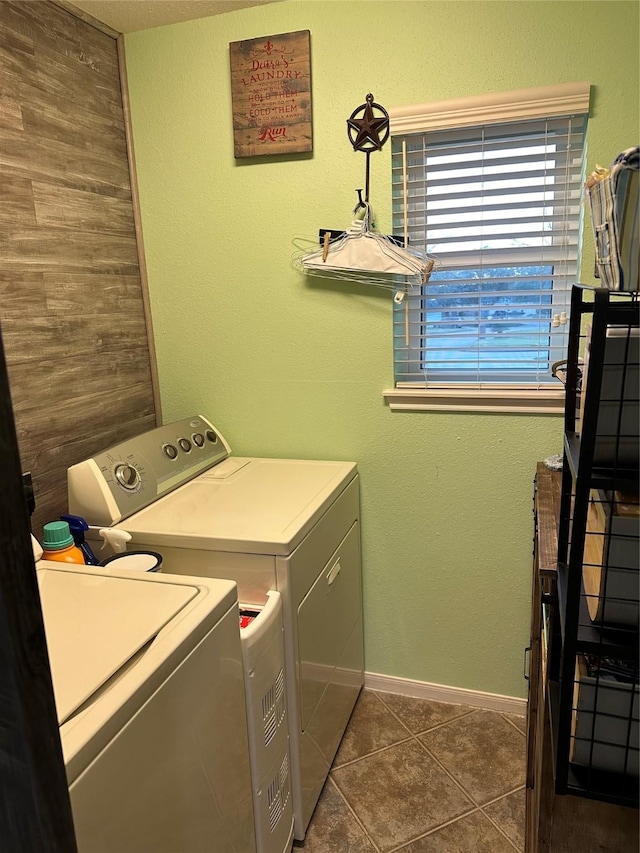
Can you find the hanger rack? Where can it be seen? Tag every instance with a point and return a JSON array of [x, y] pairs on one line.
[[360, 253]]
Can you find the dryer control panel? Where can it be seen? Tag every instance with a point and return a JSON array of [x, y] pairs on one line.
[[129, 476]]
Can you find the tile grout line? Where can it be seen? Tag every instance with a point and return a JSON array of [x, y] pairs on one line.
[[467, 794], [432, 728], [412, 737], [382, 748], [435, 758], [391, 711], [495, 823], [501, 830], [475, 807], [475, 810], [369, 754], [502, 796], [415, 736], [435, 829], [511, 723], [354, 815], [507, 715], [448, 773]]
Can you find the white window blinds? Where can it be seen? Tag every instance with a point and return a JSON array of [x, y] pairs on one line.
[[499, 205]]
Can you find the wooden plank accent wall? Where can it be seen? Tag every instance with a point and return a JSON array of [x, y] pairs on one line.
[[72, 311]]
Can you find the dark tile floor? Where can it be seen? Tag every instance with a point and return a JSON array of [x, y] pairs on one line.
[[417, 776]]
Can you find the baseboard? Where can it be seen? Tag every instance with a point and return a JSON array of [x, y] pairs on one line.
[[442, 693]]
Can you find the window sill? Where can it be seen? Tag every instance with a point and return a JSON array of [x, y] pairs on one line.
[[501, 400]]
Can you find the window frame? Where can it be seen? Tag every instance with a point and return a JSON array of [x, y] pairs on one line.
[[537, 103]]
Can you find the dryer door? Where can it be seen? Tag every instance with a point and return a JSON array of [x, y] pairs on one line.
[[326, 618]]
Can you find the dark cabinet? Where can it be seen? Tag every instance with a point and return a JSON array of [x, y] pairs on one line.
[[558, 823]]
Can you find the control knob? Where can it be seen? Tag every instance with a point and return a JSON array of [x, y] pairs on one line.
[[127, 476]]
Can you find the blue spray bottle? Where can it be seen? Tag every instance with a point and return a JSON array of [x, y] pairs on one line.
[[78, 526]]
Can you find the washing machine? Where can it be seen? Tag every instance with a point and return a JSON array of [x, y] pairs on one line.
[[148, 682], [289, 525]]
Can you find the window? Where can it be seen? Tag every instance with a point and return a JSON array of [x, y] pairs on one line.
[[498, 203]]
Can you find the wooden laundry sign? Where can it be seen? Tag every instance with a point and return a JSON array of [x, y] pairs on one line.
[[271, 95]]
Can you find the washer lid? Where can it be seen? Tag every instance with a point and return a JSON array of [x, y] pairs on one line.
[[260, 506], [95, 624]]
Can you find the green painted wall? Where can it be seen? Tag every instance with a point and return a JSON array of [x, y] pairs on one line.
[[288, 366]]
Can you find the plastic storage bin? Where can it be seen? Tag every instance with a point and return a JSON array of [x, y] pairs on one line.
[[610, 571], [608, 740], [262, 644], [618, 420]]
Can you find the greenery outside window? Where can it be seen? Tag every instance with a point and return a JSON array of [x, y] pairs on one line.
[[492, 187]]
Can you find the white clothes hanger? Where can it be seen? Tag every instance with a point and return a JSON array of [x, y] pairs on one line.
[[363, 255]]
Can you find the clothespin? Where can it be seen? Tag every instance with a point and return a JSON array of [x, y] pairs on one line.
[[427, 271], [325, 246]]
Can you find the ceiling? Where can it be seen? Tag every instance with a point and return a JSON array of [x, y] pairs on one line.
[[127, 16]]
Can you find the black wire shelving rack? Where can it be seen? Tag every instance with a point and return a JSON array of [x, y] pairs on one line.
[[593, 654]]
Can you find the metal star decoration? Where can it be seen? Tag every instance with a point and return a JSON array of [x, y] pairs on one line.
[[366, 130]]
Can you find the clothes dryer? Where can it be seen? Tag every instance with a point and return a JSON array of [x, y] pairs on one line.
[[284, 524], [148, 683]]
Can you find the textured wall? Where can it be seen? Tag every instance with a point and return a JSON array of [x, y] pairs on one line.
[[70, 297], [288, 366]]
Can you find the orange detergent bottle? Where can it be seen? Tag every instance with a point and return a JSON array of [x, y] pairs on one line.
[[58, 545]]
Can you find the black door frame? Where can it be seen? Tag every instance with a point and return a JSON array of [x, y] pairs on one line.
[[35, 811]]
